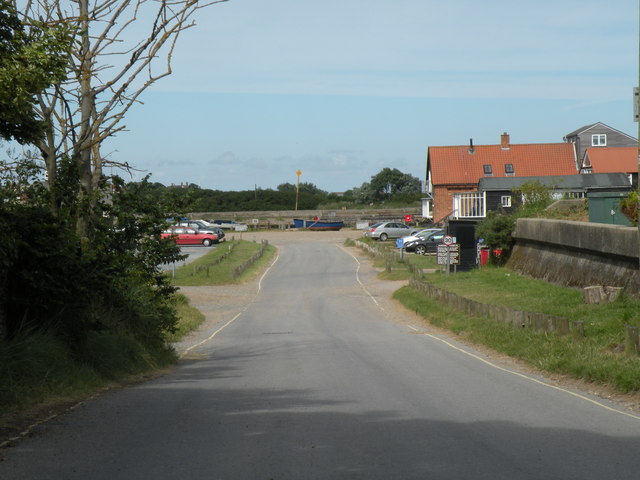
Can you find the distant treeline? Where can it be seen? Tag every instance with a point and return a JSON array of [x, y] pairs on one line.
[[390, 185]]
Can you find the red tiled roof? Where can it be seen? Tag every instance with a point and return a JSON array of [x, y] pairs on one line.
[[612, 159], [455, 165]]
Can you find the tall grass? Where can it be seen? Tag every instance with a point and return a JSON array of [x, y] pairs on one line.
[[40, 367], [189, 319]]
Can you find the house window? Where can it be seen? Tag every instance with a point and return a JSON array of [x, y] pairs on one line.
[[505, 201], [599, 140], [508, 169], [487, 170]]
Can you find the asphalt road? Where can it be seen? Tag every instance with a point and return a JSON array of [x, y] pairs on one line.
[[314, 381]]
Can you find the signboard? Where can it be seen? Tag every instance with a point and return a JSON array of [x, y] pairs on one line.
[[408, 219], [448, 254], [447, 240]]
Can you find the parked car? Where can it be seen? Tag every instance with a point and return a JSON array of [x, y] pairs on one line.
[[385, 230], [189, 236], [425, 245], [400, 243], [230, 225], [203, 227]]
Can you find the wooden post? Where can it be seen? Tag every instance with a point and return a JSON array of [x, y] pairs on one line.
[[632, 341]]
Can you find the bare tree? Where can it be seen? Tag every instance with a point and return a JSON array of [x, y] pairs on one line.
[[111, 67]]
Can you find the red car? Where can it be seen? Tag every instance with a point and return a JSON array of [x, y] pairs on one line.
[[189, 236]]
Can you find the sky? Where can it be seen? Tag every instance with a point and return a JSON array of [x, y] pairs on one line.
[[341, 89]]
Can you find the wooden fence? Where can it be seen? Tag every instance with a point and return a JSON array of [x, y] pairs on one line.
[[206, 266], [240, 269]]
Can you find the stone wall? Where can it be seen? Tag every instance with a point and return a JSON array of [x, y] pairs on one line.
[[577, 254]]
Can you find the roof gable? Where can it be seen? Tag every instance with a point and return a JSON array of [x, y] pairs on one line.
[[583, 129], [611, 159], [460, 165], [586, 128]]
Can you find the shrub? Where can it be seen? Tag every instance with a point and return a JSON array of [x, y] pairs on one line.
[[629, 207]]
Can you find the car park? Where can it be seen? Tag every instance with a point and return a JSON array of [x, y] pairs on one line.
[[426, 245], [189, 236], [384, 230]]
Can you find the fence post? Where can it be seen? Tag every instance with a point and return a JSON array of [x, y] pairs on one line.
[[632, 341]]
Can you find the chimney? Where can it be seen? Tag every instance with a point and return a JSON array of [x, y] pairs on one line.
[[504, 141], [470, 145]]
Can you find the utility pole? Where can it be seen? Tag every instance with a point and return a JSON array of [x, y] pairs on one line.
[[637, 109]]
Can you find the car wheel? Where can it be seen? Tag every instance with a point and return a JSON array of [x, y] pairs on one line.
[[383, 237], [421, 250], [207, 242]]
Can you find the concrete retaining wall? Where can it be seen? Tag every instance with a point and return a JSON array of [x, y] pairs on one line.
[[517, 318], [577, 254]]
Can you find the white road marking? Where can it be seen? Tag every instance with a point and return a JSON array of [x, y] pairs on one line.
[[358, 278], [210, 337], [531, 379]]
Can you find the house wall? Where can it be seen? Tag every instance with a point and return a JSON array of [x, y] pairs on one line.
[[443, 199], [577, 254], [494, 201]]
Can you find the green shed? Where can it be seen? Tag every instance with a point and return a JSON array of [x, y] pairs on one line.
[[604, 207]]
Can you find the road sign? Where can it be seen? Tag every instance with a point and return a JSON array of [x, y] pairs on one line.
[[408, 219], [447, 240], [448, 254]]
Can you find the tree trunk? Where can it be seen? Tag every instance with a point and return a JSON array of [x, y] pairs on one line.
[[82, 152], [48, 151]]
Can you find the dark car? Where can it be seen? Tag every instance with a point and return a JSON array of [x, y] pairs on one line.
[[230, 225], [425, 245]]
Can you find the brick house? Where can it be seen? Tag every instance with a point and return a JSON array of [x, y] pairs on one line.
[[453, 173]]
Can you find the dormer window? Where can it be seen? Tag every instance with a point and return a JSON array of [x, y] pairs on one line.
[[508, 170], [599, 140], [487, 170]]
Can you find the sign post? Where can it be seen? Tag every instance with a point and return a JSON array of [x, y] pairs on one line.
[[448, 254], [298, 173]]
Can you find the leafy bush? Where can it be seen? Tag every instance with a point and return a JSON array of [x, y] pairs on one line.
[[629, 207], [497, 227], [496, 231]]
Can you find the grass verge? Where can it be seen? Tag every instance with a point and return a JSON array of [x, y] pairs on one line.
[[39, 368], [594, 358], [209, 270], [396, 263], [189, 319]]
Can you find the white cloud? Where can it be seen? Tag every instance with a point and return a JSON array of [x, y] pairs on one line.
[[227, 158]]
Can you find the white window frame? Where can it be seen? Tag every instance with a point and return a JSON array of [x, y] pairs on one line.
[[505, 201], [599, 140]]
